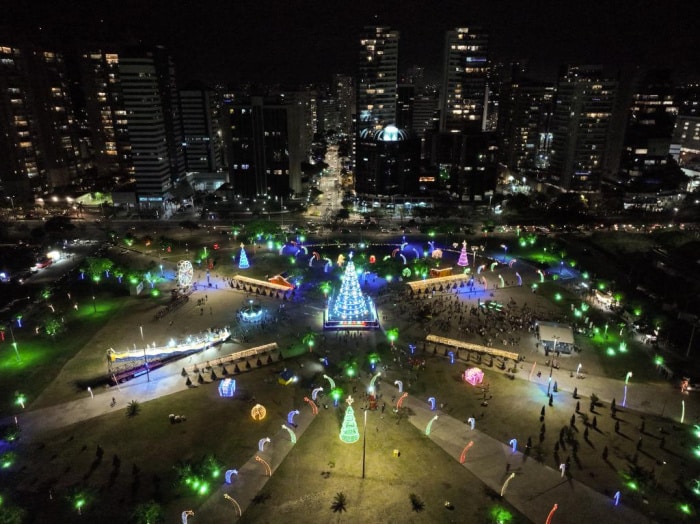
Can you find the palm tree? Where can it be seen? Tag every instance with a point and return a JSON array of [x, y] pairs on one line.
[[339, 503], [416, 502], [148, 513]]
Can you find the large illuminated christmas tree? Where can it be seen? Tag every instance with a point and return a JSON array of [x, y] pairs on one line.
[[243, 259], [350, 308], [348, 431], [463, 260]]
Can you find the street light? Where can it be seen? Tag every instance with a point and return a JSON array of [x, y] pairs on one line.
[[12, 203], [505, 252]]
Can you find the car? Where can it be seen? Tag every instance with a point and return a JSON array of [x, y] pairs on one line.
[[345, 231], [44, 262]]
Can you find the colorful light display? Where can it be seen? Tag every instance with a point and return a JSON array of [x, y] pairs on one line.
[[258, 412], [243, 259], [474, 376], [227, 387], [350, 308], [463, 259], [349, 432]]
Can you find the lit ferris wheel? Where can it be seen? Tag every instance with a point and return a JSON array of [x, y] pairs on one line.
[[184, 273]]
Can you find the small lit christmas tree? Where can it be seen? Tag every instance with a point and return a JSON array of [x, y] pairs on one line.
[[348, 431], [463, 260], [243, 259]]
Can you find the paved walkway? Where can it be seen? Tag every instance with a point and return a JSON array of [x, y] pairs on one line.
[[535, 488]]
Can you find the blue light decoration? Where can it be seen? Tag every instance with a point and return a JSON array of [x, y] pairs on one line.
[[227, 387], [229, 475], [243, 259], [350, 308]]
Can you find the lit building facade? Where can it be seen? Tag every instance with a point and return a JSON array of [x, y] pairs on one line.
[[377, 78], [580, 128], [463, 98]]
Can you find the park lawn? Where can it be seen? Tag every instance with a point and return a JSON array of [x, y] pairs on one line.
[[513, 411], [43, 358], [320, 465], [148, 446]]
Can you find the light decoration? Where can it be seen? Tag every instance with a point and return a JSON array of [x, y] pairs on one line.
[[432, 401], [227, 387], [258, 412], [616, 498], [463, 259], [399, 385], [463, 456], [551, 514], [262, 442], [371, 382], [350, 308], [514, 443], [505, 484], [330, 381], [291, 415], [471, 421], [627, 379], [436, 254], [429, 427], [243, 259], [186, 514], [348, 431], [185, 273], [400, 401], [228, 476], [314, 408], [474, 376], [292, 436], [233, 501], [520, 279], [268, 470], [315, 392]]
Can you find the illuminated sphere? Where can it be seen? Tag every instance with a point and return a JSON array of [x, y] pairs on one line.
[[258, 412]]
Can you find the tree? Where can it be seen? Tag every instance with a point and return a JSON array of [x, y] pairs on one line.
[[148, 513], [133, 408], [339, 503], [416, 503]]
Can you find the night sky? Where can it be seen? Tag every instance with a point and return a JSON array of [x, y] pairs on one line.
[[290, 41]]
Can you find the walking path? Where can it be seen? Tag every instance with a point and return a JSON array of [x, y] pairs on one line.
[[535, 489]]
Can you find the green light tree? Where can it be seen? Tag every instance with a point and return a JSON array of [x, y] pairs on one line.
[[348, 431]]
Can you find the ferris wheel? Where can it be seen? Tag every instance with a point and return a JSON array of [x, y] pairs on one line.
[[184, 273]]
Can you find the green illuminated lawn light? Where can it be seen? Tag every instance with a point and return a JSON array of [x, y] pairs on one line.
[[659, 360], [685, 508], [632, 485], [610, 352], [500, 515], [557, 297]]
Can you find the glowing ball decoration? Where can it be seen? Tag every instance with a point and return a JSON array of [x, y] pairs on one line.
[[372, 259], [474, 376], [258, 412]]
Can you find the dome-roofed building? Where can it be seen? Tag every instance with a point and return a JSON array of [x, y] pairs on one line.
[[388, 161]]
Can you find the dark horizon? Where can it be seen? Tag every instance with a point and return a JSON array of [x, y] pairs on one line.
[[260, 42]]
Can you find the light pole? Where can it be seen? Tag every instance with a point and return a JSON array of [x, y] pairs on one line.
[[364, 444], [505, 252], [145, 356], [12, 203]]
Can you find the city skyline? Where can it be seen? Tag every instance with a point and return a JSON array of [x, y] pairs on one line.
[[278, 43]]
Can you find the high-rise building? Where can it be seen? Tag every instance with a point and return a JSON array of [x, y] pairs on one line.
[[55, 117], [377, 78], [134, 111], [651, 118], [106, 115], [38, 139], [343, 91], [20, 172], [200, 130], [580, 127], [463, 99], [405, 99], [524, 123], [425, 113], [264, 136], [685, 147], [146, 126]]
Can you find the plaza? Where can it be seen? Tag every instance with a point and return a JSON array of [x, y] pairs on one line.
[[435, 336]]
